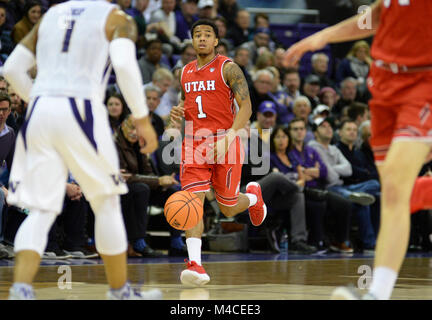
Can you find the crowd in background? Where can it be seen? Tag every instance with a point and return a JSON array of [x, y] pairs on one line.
[[322, 185]]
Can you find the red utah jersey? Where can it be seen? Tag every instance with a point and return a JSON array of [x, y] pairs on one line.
[[209, 101], [404, 34]]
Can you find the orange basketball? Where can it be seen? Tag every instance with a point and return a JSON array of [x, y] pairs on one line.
[[183, 210]]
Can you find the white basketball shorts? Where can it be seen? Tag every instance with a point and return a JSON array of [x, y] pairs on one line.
[[59, 135]]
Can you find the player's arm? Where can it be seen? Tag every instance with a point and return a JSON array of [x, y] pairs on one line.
[[122, 32], [177, 112], [236, 80], [349, 29], [20, 61]]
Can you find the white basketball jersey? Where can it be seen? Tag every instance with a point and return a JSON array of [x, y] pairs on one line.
[[72, 51]]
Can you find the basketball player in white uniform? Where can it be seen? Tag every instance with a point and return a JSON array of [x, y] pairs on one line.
[[66, 128]]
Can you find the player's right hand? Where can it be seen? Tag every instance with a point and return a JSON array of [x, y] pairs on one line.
[[177, 113], [146, 135], [312, 43]]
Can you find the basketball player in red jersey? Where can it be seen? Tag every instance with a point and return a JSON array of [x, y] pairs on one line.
[[212, 154], [400, 82]]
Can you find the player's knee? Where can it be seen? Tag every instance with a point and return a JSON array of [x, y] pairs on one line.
[[110, 233], [227, 211], [33, 232]]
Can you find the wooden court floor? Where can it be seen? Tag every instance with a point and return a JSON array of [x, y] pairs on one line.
[[311, 279]]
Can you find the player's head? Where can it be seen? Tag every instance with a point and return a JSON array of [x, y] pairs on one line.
[[205, 36]]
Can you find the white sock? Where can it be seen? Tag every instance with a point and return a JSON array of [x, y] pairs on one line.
[[194, 249], [252, 199], [383, 282]]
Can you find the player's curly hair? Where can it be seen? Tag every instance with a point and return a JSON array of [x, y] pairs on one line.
[[205, 22]]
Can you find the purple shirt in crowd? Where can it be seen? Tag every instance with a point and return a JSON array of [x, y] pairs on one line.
[[307, 159]]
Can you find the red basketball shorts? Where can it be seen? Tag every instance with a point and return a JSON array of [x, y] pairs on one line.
[[223, 176], [400, 108]]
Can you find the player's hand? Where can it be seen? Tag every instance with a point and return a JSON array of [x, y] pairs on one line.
[[219, 149], [177, 113], [296, 51], [146, 135]]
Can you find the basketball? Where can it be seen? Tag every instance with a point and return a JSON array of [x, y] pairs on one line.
[[183, 210]]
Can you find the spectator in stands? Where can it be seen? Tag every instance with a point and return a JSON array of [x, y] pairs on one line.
[[339, 168], [152, 60], [262, 20], [32, 14], [7, 147], [266, 120], [117, 110], [280, 98], [171, 97], [365, 153], [153, 97], [6, 43], [291, 83], [363, 169], [240, 32], [264, 60], [163, 79], [302, 109], [228, 9], [321, 111], [279, 54], [338, 209], [358, 112], [311, 89], [280, 163], [348, 95], [241, 57], [185, 18], [222, 48], [261, 43], [262, 84], [124, 4], [187, 55], [166, 13], [206, 9], [222, 26], [328, 97], [137, 12], [356, 64], [18, 109], [320, 62], [146, 188]]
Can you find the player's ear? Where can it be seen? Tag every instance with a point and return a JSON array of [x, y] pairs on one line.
[[216, 42]]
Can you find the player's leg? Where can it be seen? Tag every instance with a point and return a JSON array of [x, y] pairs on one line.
[[91, 156], [195, 274], [226, 184], [37, 182], [397, 175]]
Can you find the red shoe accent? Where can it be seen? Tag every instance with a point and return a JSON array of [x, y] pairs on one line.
[[193, 266], [421, 197], [257, 212]]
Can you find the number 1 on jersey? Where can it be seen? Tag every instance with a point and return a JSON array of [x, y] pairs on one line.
[[68, 36], [201, 114]]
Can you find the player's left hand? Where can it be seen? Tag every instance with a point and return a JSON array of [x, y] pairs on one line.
[[146, 135], [217, 151]]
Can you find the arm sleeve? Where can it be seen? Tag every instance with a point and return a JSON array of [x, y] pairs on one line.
[[123, 58], [20, 61]]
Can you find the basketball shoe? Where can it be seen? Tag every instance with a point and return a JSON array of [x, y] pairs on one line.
[[194, 275], [349, 293], [257, 212], [21, 292], [128, 293]]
